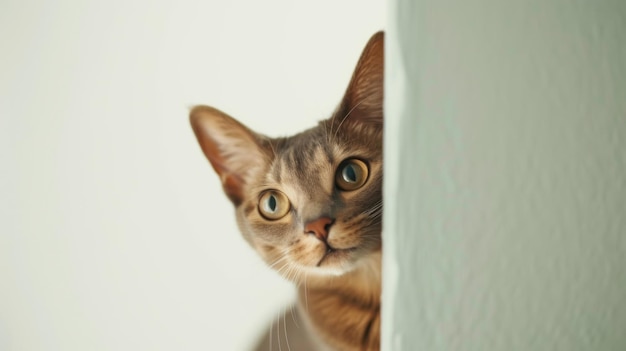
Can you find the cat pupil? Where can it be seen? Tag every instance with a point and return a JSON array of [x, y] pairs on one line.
[[349, 174], [272, 203]]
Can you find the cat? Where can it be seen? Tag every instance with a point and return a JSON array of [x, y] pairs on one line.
[[311, 205]]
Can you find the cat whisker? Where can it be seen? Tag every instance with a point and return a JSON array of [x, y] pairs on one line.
[[293, 317], [271, 144], [326, 133], [283, 269], [298, 279], [285, 330], [288, 272], [278, 327], [279, 260], [306, 297], [346, 117], [297, 274], [377, 204], [292, 272], [375, 210], [376, 214], [271, 335]]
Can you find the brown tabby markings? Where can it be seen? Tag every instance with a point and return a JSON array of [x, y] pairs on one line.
[[338, 273]]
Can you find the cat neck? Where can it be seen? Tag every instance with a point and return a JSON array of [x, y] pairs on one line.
[[344, 311]]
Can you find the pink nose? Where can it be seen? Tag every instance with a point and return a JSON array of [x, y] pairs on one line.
[[319, 227]]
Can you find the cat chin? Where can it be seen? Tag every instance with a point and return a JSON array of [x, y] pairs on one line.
[[334, 269], [326, 272]]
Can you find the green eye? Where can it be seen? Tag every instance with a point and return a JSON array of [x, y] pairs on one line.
[[351, 174], [274, 205]]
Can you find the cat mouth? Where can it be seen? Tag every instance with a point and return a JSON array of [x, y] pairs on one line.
[[334, 255]]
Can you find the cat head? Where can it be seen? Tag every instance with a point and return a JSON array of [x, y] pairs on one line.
[[310, 203]]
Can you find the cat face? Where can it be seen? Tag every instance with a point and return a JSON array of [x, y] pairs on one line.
[[316, 205], [310, 203]]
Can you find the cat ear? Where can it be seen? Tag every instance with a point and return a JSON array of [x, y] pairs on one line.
[[363, 101], [232, 149]]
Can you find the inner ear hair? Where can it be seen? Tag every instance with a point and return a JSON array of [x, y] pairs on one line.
[[363, 100]]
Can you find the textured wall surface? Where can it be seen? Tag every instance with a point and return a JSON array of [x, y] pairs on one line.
[[505, 226]]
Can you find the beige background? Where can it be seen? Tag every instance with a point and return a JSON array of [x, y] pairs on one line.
[[114, 233]]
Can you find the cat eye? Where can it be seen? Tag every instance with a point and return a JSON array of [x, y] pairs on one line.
[[351, 174], [273, 205]]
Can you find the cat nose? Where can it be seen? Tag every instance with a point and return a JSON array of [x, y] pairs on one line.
[[319, 227]]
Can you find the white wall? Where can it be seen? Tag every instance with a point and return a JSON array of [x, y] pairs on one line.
[[114, 233], [505, 176]]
